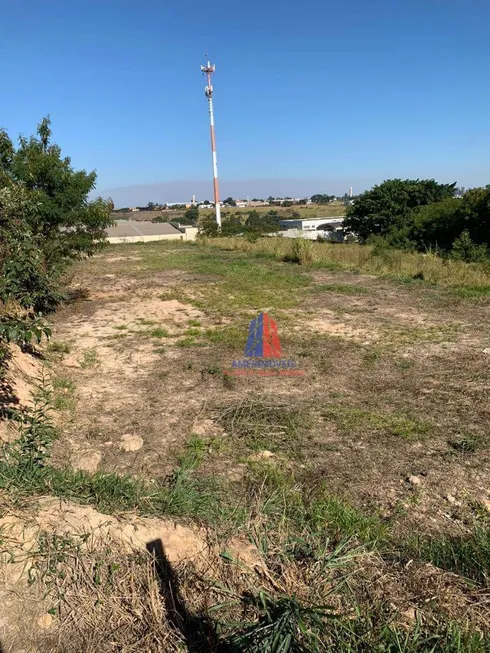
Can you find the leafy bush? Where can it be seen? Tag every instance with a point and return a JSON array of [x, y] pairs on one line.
[[464, 249]]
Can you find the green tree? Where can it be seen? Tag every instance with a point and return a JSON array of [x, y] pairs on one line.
[[65, 223], [388, 207], [320, 198], [191, 216], [208, 226], [229, 201], [464, 249], [231, 225], [437, 225]]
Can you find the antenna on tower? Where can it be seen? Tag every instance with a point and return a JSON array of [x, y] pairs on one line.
[[208, 70]]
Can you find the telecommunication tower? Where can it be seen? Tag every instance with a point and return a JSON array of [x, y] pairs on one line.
[[208, 70]]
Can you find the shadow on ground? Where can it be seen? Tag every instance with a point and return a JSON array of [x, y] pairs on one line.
[[197, 631]]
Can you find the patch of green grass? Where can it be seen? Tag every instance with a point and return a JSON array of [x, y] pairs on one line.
[[121, 327], [414, 335], [189, 341], [245, 282], [466, 442], [64, 394], [344, 521], [58, 347], [194, 323], [231, 336], [466, 554], [89, 358], [339, 288], [146, 322], [471, 292], [159, 332], [180, 494], [192, 332], [398, 424]]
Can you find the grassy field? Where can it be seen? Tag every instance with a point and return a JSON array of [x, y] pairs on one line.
[[343, 509], [310, 211]]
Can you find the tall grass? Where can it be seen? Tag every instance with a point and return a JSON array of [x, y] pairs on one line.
[[352, 256]]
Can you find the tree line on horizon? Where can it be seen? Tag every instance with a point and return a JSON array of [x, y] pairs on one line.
[[423, 215]]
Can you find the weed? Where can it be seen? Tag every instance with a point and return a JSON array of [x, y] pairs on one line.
[[194, 323], [466, 554], [89, 358], [188, 341], [121, 327], [466, 443], [64, 391], [36, 432], [301, 252], [58, 347], [284, 625], [159, 332], [192, 332]]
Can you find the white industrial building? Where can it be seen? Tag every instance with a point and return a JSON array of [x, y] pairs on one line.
[[312, 228], [313, 224]]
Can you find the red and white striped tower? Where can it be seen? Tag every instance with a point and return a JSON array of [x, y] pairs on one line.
[[208, 71]]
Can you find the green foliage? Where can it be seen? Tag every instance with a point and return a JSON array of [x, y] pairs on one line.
[[229, 201], [464, 249], [45, 221], [191, 216], [320, 198], [301, 251], [22, 331], [62, 219], [285, 625], [388, 206], [208, 226]]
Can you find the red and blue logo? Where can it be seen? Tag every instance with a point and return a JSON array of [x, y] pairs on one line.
[[263, 352], [263, 338]]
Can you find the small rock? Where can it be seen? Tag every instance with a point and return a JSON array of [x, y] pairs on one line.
[[87, 462], [450, 498], [261, 455], [486, 350], [109, 443], [414, 480], [131, 442], [486, 504], [45, 621]]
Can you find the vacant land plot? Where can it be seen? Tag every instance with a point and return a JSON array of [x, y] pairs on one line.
[[343, 509]]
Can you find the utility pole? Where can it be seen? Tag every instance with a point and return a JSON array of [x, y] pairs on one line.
[[208, 71]]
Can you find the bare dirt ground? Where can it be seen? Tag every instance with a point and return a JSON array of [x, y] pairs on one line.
[[390, 416], [393, 376]]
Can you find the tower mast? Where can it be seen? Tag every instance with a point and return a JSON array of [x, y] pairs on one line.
[[208, 70]]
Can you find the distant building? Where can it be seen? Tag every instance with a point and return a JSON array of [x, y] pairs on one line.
[[125, 231], [330, 228], [313, 224]]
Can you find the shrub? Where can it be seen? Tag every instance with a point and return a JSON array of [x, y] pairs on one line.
[[464, 249], [302, 251]]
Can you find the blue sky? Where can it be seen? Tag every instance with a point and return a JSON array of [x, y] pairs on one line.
[[314, 96]]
